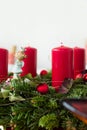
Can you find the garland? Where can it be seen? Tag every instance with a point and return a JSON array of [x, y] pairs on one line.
[[31, 103]]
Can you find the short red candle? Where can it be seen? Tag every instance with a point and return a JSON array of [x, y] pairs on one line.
[[3, 64], [62, 65], [79, 60], [30, 62]]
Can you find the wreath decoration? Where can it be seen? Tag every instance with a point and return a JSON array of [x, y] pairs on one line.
[[32, 103]]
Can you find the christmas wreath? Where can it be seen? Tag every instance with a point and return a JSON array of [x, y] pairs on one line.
[[32, 103]]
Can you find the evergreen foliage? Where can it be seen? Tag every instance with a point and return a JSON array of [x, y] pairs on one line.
[[24, 108]]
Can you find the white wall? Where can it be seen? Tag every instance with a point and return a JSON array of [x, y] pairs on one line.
[[43, 24]]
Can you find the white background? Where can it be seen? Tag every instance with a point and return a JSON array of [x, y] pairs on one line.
[[43, 24]]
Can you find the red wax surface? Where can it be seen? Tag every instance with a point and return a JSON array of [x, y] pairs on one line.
[[79, 60], [30, 62], [62, 65], [3, 63]]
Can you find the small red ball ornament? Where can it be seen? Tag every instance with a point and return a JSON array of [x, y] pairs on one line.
[[85, 77], [78, 76], [43, 72], [43, 88]]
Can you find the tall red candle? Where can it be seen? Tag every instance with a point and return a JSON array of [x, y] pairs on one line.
[[62, 65], [86, 53], [30, 62], [79, 60], [3, 64]]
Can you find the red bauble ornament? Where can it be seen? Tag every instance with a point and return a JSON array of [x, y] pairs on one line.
[[43, 88], [78, 76], [85, 77], [43, 72]]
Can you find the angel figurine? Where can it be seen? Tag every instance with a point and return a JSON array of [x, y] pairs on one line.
[[20, 55]]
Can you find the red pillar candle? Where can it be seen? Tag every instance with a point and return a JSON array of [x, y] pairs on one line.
[[3, 64], [86, 53], [30, 62], [79, 60], [62, 65]]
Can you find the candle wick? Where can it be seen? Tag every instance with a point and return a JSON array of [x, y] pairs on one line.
[[61, 43]]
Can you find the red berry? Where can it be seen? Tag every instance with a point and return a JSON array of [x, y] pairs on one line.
[[43, 72], [43, 88]]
